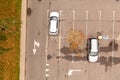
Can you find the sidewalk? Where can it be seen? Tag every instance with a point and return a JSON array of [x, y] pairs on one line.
[[23, 40]]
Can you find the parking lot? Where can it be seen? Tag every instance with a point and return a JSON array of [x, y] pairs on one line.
[[61, 64]]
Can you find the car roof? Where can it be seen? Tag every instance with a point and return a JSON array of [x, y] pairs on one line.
[[94, 45], [53, 26]]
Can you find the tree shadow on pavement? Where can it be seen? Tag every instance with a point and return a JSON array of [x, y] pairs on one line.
[[109, 61], [112, 46], [75, 58], [67, 50]]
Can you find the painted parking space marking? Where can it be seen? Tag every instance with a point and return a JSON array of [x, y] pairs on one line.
[[86, 25], [73, 27], [73, 21], [70, 72], [113, 33], [100, 18], [59, 45], [46, 46]]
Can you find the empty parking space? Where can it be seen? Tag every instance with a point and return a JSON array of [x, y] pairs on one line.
[[93, 23], [80, 21], [66, 22], [117, 34], [78, 71], [107, 23]]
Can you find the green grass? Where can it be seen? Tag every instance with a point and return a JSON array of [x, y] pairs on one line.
[[10, 13]]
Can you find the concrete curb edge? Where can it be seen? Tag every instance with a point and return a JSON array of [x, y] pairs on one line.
[[23, 40]]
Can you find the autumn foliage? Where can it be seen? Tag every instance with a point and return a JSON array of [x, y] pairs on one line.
[[75, 38]]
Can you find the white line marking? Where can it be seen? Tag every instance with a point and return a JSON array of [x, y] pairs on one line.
[[71, 71], [34, 51], [60, 34], [86, 39], [100, 18], [73, 13], [36, 44], [73, 19], [113, 12], [118, 38], [46, 46], [47, 70], [47, 75], [86, 22], [57, 37], [47, 64]]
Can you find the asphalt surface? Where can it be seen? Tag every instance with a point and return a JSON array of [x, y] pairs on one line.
[[89, 17], [36, 31]]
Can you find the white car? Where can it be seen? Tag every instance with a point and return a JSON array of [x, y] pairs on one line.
[[93, 49], [53, 24]]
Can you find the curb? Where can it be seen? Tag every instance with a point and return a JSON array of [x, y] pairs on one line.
[[23, 40]]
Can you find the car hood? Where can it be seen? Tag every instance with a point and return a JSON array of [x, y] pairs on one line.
[[54, 14]]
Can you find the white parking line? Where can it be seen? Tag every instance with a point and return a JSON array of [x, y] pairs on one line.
[[100, 17], [57, 37], [50, 37], [113, 30], [86, 23], [47, 75], [73, 27], [71, 71], [118, 38], [46, 46], [73, 12], [60, 34]]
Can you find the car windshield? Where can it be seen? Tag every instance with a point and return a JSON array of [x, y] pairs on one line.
[[93, 53], [54, 18]]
